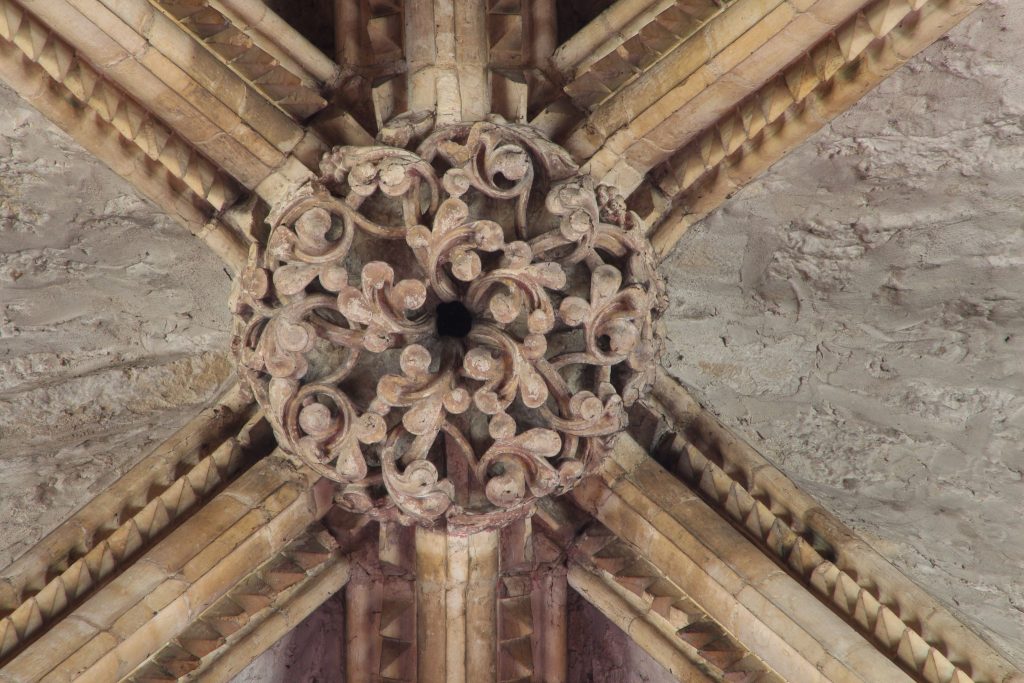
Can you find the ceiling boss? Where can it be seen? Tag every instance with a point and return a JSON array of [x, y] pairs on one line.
[[450, 323]]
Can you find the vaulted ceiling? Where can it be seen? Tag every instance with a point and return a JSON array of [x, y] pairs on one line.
[[853, 313], [858, 313]]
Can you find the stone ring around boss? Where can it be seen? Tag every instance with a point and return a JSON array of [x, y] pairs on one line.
[[451, 332]]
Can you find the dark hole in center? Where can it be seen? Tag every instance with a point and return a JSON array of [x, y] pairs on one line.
[[453, 320]]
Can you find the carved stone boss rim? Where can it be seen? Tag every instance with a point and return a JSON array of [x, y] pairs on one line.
[[505, 310]]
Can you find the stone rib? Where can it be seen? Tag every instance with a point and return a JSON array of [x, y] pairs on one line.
[[42, 46], [631, 54], [739, 586], [833, 585], [640, 599], [681, 124], [136, 613], [693, 66], [238, 51], [132, 21], [133, 44], [275, 36], [685, 185], [103, 140], [285, 589], [93, 544], [456, 620], [100, 138], [898, 617]]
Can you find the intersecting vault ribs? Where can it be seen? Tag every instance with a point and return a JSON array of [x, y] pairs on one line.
[[476, 364], [450, 324]]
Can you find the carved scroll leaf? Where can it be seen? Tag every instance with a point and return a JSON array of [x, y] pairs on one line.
[[338, 322]]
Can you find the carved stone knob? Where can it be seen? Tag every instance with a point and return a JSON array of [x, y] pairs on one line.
[[453, 332]]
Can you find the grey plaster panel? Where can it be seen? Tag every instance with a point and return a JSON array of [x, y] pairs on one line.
[[113, 326]]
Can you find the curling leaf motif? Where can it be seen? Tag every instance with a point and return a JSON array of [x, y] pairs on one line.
[[337, 329]]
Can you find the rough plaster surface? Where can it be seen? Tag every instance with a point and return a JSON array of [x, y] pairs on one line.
[[313, 652], [600, 652], [113, 326], [858, 314]]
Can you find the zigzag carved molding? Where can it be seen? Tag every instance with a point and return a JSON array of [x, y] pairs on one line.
[[238, 50], [638, 597], [135, 123], [834, 565], [684, 186], [95, 544], [310, 564]]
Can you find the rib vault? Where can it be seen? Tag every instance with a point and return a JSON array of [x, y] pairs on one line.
[[444, 238]]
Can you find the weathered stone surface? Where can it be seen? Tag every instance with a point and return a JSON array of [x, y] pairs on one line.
[[113, 326], [858, 314]]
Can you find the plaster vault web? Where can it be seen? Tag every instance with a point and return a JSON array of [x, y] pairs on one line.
[[447, 502]]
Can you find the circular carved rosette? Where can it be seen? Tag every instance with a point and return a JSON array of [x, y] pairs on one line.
[[451, 332]]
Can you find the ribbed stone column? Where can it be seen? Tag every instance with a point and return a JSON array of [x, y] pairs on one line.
[[456, 601], [446, 50]]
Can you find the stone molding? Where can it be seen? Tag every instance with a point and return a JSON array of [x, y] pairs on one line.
[[598, 64], [206, 121], [658, 615], [827, 557], [739, 586], [296, 96], [288, 586], [277, 38], [678, 104], [107, 535], [833, 75], [498, 50], [155, 596], [137, 125], [432, 607]]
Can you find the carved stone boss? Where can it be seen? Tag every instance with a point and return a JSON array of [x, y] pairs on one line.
[[450, 332]]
